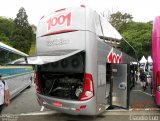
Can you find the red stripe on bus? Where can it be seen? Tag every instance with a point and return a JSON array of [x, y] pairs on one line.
[[59, 32], [60, 10]]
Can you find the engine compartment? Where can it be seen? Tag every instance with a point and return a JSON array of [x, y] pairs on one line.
[[66, 86], [64, 78]]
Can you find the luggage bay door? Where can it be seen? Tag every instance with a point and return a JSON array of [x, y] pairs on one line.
[[120, 89]]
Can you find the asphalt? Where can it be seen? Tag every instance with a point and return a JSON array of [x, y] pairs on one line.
[[24, 107], [141, 99], [107, 116]]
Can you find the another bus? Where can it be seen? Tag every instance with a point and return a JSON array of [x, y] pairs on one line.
[[78, 68], [156, 60], [18, 78]]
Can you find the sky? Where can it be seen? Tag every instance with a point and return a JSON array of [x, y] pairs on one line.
[[141, 10]]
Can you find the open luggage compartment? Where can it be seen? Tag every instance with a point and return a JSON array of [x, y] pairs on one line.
[[62, 79]]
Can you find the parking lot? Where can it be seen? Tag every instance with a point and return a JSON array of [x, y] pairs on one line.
[[25, 107]]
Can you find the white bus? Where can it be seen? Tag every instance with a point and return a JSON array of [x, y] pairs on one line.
[[78, 68], [18, 78]]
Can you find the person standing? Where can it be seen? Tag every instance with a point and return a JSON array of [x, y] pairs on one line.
[[4, 94], [143, 79]]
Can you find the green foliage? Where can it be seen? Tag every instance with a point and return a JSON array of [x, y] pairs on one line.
[[21, 20], [6, 28], [4, 39], [32, 49], [137, 34], [118, 19], [23, 35], [16, 33]]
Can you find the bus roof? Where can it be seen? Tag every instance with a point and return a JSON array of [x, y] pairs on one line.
[[80, 18], [11, 49]]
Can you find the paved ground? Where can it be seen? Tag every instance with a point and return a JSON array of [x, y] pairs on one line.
[[107, 116], [25, 108], [140, 98], [25, 102]]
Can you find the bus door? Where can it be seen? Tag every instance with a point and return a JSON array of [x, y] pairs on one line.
[[109, 83], [120, 85]]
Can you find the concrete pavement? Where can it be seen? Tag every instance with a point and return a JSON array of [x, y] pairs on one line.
[[107, 116], [25, 108]]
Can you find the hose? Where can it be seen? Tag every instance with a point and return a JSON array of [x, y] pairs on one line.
[[52, 86]]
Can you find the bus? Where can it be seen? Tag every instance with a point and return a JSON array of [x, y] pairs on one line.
[[79, 68], [156, 57], [19, 77]]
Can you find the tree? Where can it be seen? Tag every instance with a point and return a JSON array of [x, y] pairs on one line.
[[138, 34], [6, 28], [21, 20], [23, 35], [117, 19]]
